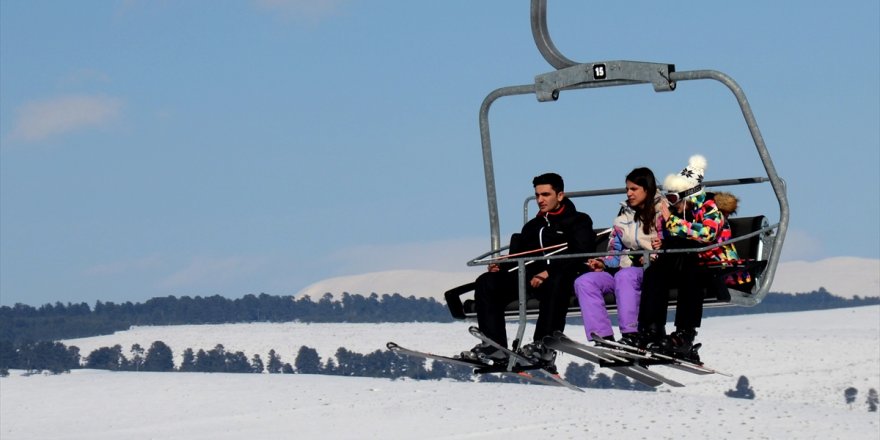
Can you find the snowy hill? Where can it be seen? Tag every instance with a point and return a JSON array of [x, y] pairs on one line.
[[798, 364], [418, 283], [842, 276]]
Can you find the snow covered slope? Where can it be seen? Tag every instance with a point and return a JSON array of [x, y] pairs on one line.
[[797, 363], [418, 283]]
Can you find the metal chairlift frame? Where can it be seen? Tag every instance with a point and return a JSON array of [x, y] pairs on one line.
[[571, 75]]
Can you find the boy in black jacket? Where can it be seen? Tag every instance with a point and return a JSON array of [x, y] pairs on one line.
[[550, 281]]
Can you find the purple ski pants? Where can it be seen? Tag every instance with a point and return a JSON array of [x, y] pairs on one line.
[[627, 287]]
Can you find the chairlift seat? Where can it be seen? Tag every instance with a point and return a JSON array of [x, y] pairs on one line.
[[750, 250]]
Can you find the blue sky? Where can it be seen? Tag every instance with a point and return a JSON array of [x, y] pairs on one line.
[[200, 148]]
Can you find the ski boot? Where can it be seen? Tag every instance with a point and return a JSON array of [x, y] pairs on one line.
[[485, 353], [650, 337], [680, 344], [607, 338], [540, 355], [634, 339]]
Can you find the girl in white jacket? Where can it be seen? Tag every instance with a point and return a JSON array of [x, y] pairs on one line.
[[634, 228]]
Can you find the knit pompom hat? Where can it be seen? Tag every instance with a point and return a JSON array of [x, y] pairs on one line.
[[689, 181]]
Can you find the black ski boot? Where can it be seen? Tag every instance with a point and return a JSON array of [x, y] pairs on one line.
[[540, 355], [651, 337], [633, 339], [485, 353], [680, 344]]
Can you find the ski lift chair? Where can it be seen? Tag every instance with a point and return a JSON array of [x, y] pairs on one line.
[[758, 243]]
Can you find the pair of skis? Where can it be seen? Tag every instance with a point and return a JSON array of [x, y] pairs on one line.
[[659, 358], [617, 360], [517, 365], [629, 361]]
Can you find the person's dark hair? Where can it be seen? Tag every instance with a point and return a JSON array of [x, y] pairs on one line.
[[644, 177], [552, 179]]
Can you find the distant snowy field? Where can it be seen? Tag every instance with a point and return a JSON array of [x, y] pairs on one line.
[[842, 276], [798, 364], [845, 277]]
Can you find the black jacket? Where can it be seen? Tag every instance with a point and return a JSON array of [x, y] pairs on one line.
[[565, 225]]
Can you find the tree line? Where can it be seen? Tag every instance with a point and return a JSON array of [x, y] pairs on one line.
[[27, 333], [56, 358], [22, 323]]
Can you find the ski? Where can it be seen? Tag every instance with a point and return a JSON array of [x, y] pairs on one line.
[[479, 367], [518, 361], [670, 361], [529, 377], [448, 359], [523, 372], [609, 356], [622, 364]]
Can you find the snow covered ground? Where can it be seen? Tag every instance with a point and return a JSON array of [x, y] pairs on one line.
[[797, 363]]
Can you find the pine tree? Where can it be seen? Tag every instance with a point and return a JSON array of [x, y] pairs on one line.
[[274, 365], [211, 361], [386, 363], [73, 357], [460, 373], [307, 361], [137, 357], [579, 375], [872, 400], [742, 391], [107, 358], [439, 370], [201, 362], [189, 361], [602, 381], [237, 363], [160, 358], [850, 395], [257, 364]]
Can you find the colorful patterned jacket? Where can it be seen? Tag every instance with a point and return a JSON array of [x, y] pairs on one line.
[[704, 223], [709, 225]]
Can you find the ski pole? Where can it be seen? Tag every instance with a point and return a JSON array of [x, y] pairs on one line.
[[546, 255], [502, 257]]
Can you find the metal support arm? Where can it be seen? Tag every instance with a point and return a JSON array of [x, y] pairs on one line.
[[606, 73]]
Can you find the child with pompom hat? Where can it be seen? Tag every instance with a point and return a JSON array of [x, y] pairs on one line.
[[691, 218]]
